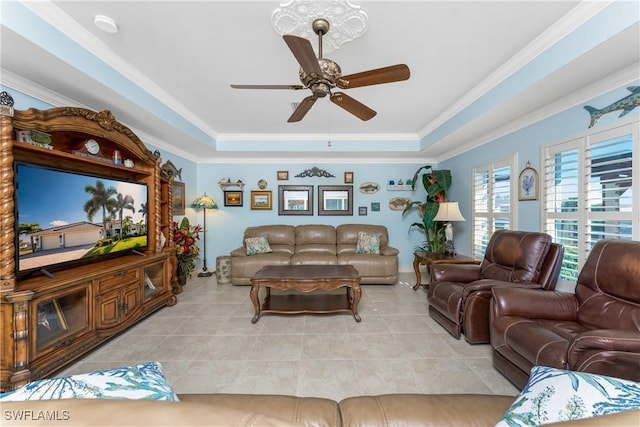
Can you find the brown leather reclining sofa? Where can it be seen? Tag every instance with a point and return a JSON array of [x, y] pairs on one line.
[[595, 330], [317, 244], [231, 410], [460, 295]]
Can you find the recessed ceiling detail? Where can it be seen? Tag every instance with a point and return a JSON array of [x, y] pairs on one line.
[[348, 21]]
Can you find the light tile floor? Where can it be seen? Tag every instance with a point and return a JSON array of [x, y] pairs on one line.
[[207, 344]]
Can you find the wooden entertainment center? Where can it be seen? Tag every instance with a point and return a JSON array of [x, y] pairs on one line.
[[89, 302]]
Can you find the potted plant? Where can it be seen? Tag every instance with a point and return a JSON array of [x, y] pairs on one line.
[[185, 236], [436, 183]]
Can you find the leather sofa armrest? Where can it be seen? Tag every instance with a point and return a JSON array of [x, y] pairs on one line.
[[389, 251], [241, 251], [533, 303], [464, 273], [605, 339], [488, 284]]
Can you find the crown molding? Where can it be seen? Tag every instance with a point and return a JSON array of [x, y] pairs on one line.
[[619, 79]]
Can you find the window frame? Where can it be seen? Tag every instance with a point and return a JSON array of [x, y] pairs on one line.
[[583, 215], [491, 214]]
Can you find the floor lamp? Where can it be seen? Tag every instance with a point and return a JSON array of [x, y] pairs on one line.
[[204, 202], [447, 212]]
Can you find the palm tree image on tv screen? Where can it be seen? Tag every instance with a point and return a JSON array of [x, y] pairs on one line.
[[65, 217]]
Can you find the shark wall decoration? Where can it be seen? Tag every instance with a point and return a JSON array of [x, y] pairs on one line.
[[625, 104]]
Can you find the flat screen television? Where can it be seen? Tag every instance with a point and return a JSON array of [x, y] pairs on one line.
[[67, 218]]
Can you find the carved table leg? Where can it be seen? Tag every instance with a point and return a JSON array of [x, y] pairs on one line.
[[253, 294], [416, 268], [357, 293]]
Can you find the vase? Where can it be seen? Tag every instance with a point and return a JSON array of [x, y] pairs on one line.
[[185, 266]]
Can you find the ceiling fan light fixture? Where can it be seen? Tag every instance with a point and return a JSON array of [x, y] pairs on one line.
[[106, 24]]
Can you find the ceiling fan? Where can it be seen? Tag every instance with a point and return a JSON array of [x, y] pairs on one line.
[[322, 75]]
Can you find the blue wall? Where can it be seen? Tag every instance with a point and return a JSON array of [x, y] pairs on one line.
[[527, 143], [226, 225]]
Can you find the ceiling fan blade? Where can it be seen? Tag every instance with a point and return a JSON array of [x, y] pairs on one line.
[[304, 54], [302, 109], [293, 87], [356, 108], [378, 76]]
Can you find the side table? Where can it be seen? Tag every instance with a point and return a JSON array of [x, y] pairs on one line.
[[429, 258]]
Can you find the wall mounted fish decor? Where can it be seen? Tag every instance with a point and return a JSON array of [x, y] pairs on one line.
[[625, 104]]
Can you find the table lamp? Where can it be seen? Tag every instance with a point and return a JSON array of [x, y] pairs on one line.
[[204, 202], [448, 212]]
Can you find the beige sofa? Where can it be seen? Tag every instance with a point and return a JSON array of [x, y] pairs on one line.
[[275, 410], [317, 244]]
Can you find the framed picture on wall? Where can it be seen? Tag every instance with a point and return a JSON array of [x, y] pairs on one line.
[[233, 198], [283, 175], [348, 177], [261, 200], [178, 198], [528, 184], [295, 200], [335, 199]]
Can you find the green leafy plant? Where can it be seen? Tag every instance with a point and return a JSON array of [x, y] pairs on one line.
[[436, 183]]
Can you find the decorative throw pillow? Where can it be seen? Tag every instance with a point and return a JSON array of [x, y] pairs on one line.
[[143, 381], [368, 243], [257, 245], [554, 395]]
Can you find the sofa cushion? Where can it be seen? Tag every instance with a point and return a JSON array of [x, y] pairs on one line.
[[368, 243], [143, 381], [257, 245], [554, 395], [347, 234]]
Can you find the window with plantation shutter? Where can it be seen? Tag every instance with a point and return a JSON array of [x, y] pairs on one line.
[[492, 202], [590, 193]]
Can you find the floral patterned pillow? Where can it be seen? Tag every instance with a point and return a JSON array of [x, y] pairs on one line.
[[257, 245], [368, 243], [554, 395], [143, 381]]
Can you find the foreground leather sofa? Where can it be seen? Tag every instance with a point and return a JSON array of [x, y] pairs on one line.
[[459, 295], [595, 330], [317, 244], [231, 410]]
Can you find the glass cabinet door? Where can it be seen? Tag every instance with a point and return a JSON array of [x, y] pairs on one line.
[[60, 318]]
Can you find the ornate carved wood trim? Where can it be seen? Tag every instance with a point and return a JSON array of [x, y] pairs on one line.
[[7, 215]]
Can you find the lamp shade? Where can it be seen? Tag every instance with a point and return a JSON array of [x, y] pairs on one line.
[[449, 211], [205, 202]]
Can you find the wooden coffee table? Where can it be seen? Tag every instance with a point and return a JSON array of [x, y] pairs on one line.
[[306, 278]]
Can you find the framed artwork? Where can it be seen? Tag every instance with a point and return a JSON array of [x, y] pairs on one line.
[[232, 198], [295, 200], [528, 184], [375, 206], [283, 175], [335, 199], [261, 200], [362, 211], [348, 177], [51, 321], [178, 198]]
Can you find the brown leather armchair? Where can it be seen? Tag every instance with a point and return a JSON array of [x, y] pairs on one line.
[[460, 295], [595, 330]]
